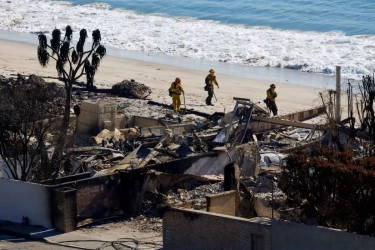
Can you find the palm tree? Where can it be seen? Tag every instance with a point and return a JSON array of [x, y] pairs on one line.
[[71, 64]]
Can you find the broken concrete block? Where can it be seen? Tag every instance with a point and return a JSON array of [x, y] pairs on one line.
[[129, 133], [95, 116], [106, 134]]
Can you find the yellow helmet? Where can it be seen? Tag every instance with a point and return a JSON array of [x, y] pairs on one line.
[[212, 71]]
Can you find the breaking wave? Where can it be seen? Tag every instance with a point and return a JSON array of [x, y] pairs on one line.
[[204, 39]]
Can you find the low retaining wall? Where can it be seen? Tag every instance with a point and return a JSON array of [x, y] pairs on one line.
[[186, 229]]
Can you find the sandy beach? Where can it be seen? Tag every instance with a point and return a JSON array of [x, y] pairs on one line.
[[22, 58]]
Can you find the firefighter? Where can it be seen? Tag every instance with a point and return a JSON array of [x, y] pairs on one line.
[[271, 99], [210, 81], [175, 91]]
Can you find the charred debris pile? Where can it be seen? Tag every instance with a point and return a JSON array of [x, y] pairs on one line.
[[184, 156], [179, 159]]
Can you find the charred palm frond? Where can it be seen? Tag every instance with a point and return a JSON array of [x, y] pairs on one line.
[[83, 35], [80, 47], [90, 72], [95, 61], [90, 83], [101, 51], [59, 67], [64, 52], [42, 41], [55, 41], [74, 56], [81, 42], [96, 38], [88, 69], [43, 56], [68, 33]]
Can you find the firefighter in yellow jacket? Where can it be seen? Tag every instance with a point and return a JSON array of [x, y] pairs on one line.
[[175, 91], [210, 81], [271, 99]]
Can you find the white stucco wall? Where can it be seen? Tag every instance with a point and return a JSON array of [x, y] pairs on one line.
[[19, 199]]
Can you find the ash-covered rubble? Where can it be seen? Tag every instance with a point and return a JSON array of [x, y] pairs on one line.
[[146, 223], [195, 198], [286, 138], [267, 195], [131, 89], [264, 195], [23, 80], [35, 80], [94, 159], [139, 152], [125, 107], [149, 218], [154, 204], [130, 107]]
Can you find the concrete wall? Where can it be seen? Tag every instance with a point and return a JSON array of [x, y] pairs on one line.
[[222, 203], [193, 229], [88, 118], [292, 236], [107, 116], [19, 199], [96, 116]]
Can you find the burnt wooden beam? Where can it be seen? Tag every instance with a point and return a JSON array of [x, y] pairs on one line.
[[284, 122], [102, 91], [188, 111]]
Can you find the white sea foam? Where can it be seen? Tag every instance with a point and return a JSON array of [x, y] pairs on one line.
[[187, 37]]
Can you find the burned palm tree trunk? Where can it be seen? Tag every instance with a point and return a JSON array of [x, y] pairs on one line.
[[351, 118], [71, 64]]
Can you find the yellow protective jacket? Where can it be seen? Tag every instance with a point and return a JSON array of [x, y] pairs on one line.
[[210, 81], [176, 88], [271, 95]]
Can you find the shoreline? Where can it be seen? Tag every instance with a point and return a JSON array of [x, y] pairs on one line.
[[22, 58], [262, 73]]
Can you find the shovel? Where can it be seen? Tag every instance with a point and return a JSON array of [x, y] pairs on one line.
[[214, 96], [184, 102]]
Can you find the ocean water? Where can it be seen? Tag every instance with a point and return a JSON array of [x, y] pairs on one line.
[[304, 35]]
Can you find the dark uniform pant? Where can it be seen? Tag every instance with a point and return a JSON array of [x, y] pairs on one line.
[[272, 106], [210, 95]]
